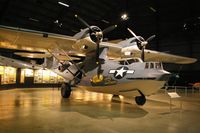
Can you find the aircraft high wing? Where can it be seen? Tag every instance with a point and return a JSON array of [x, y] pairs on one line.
[[79, 45]]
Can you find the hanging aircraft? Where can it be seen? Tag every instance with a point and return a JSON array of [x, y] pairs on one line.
[[126, 69]]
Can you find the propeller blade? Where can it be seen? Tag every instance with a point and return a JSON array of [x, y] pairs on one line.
[[142, 54], [83, 21], [134, 34], [150, 38], [108, 29]]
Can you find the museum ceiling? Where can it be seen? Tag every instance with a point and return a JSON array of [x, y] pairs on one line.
[[176, 21], [145, 17]]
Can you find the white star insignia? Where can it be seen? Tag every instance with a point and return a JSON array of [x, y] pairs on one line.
[[120, 72]]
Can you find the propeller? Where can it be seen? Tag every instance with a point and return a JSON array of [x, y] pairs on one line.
[[96, 35], [142, 43], [110, 28]]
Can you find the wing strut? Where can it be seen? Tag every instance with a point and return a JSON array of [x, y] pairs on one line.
[[64, 52]]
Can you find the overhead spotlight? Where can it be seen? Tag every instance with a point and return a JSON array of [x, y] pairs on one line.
[[56, 21], [105, 21], [33, 19], [152, 9], [124, 16], [63, 4]]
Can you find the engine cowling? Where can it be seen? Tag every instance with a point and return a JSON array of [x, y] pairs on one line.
[[139, 44], [96, 34]]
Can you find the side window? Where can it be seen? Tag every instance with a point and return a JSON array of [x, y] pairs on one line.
[[147, 65], [158, 65], [151, 65]]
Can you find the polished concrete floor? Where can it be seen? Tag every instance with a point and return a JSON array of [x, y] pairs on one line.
[[44, 111]]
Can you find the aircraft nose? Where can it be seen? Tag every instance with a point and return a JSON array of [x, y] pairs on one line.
[[165, 76]]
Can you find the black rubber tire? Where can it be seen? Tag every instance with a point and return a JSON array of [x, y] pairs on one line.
[[65, 90], [140, 100], [116, 96]]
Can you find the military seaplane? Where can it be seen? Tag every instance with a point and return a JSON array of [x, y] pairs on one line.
[[126, 68]]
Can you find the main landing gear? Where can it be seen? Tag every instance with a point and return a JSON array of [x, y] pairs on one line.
[[140, 100], [65, 90]]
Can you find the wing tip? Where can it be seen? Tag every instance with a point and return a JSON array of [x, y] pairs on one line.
[[189, 61]]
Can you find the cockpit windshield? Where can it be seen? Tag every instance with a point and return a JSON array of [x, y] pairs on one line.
[[129, 61]]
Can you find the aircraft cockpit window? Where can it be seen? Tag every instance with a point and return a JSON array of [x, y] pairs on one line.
[[124, 62], [132, 61]]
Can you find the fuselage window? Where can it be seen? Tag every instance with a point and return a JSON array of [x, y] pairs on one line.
[[158, 66], [151, 65], [147, 65]]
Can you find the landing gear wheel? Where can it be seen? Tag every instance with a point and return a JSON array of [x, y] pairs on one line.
[[140, 100], [65, 90], [116, 98]]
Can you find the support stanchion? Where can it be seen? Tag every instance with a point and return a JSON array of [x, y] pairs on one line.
[[174, 95], [185, 91]]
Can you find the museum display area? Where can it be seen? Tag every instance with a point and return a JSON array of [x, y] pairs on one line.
[[9, 75]]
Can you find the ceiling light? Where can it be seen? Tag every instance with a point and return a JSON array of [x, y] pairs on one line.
[[63, 4], [124, 16], [105, 21], [152, 9], [33, 19], [56, 22]]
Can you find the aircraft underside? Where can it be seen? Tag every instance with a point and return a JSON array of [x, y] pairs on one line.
[[138, 89]]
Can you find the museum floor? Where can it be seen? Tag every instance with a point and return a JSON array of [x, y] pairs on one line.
[[44, 111]]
